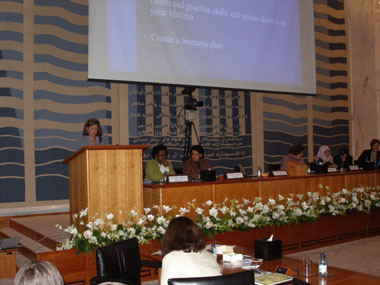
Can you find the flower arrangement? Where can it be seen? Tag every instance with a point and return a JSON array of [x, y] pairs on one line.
[[213, 218]]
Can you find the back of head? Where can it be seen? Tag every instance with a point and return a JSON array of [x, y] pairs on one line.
[[38, 273], [182, 234], [296, 149]]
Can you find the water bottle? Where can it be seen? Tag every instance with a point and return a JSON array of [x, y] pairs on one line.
[[322, 265], [308, 169], [213, 250], [259, 172], [165, 176]]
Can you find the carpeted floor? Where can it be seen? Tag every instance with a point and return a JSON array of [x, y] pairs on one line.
[[361, 255]]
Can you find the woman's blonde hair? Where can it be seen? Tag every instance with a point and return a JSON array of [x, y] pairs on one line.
[[38, 273]]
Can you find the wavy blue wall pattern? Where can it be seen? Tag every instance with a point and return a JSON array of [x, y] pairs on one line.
[[12, 166], [63, 97], [284, 124], [331, 104]]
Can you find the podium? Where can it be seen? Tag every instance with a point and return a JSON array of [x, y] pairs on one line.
[[106, 179]]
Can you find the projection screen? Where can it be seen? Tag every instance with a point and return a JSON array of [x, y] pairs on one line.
[[255, 45]]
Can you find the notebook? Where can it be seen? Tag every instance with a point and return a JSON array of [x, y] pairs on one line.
[[208, 175], [9, 243]]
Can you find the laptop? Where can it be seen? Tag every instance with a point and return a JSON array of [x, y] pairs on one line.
[[369, 166], [208, 175], [9, 243]]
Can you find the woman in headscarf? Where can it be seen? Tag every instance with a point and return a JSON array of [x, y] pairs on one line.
[[324, 156]]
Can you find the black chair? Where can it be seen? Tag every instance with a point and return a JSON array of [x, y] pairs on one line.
[[178, 170], [240, 278], [274, 167], [120, 262]]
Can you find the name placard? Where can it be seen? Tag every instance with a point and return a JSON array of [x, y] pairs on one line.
[[178, 178], [276, 173], [354, 167], [331, 170], [234, 175]]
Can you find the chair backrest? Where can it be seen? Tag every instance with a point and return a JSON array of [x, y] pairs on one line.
[[240, 278], [120, 260]]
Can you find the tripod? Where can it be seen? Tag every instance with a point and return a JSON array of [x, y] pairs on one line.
[[188, 131]]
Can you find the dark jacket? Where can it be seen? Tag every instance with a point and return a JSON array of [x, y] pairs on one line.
[[366, 157], [338, 161]]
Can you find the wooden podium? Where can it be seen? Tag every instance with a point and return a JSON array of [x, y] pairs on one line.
[[106, 179]]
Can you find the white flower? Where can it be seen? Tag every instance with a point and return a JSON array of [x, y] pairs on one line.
[[213, 212], [147, 211], [298, 212], [209, 203], [183, 211], [83, 213], [99, 222], [271, 201], [344, 191], [224, 210], [110, 216], [250, 210], [161, 230], [265, 209], [274, 215], [246, 201], [199, 211], [87, 234], [280, 197], [239, 220], [150, 217], [161, 220], [133, 213], [103, 234], [113, 227], [305, 206], [281, 207], [166, 208]]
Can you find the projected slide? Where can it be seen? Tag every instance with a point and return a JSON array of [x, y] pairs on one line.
[[220, 43]]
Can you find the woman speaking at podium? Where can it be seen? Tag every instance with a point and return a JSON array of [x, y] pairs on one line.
[[92, 134]]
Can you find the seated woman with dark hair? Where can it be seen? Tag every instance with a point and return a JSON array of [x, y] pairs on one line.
[[156, 167], [193, 166], [295, 154], [183, 247], [370, 155], [343, 159]]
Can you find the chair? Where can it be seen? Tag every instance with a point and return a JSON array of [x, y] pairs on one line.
[[120, 262], [240, 278]]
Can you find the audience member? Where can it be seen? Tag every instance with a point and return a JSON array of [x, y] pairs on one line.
[[38, 273], [183, 247], [159, 164], [370, 155], [295, 154], [193, 166]]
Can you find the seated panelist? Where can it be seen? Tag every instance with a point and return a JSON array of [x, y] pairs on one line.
[[343, 159], [159, 164], [324, 157], [295, 154], [370, 155], [193, 166]]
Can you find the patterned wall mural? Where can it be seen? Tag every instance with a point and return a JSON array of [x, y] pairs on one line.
[[331, 105], [45, 98]]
